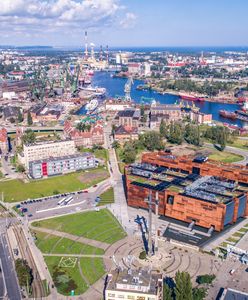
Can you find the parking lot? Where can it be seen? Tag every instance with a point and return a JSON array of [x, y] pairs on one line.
[[61, 204]]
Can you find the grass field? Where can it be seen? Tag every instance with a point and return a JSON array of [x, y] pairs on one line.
[[65, 279], [99, 153], [100, 226], [225, 157], [51, 244], [107, 197], [92, 268], [17, 190], [121, 164], [238, 143]]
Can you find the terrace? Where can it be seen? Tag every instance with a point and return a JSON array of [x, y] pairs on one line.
[[208, 188]]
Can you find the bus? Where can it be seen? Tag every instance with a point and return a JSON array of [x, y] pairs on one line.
[[67, 201], [61, 201]]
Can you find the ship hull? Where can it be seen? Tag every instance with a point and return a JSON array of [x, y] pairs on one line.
[[191, 98], [228, 115]]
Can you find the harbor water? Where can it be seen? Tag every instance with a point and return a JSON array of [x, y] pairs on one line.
[[115, 88]]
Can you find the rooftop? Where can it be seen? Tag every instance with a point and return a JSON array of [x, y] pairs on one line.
[[230, 294], [51, 159], [129, 113], [140, 281], [207, 188]]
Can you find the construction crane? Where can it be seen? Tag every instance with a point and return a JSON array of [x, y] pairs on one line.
[[127, 89]]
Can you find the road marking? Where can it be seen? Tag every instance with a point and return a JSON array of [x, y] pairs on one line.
[[54, 208]]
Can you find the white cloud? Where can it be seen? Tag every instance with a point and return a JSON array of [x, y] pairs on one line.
[[67, 12], [129, 20]]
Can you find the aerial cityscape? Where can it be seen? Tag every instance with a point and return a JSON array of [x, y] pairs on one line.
[[123, 150]]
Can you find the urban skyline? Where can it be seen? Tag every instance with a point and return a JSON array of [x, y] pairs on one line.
[[123, 23]]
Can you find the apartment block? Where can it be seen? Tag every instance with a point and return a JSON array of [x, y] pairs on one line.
[[45, 150], [61, 165]]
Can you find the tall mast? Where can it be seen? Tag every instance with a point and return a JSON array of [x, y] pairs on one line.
[[86, 45]]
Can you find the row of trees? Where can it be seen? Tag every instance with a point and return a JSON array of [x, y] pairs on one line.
[[24, 273], [219, 135], [20, 118], [177, 133], [148, 141], [181, 289], [207, 88]]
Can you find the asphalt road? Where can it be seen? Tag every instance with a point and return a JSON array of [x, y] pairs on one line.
[[235, 151], [49, 207], [13, 289]]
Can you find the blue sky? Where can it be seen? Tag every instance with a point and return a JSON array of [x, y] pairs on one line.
[[124, 22]]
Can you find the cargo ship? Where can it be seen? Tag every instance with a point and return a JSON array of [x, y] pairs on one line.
[[242, 114], [191, 97], [228, 114]]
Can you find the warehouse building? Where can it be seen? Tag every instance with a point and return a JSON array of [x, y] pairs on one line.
[[192, 190], [61, 165]]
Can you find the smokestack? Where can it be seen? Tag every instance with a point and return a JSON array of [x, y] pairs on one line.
[[107, 54], [86, 44]]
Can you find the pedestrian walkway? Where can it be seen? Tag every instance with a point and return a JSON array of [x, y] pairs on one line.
[[72, 237]]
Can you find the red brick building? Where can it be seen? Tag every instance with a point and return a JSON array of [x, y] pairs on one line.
[[4, 145], [191, 190], [87, 138]]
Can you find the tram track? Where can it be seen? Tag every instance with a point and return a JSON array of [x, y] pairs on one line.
[[38, 290]]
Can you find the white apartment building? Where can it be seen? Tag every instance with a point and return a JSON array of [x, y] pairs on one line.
[[44, 150], [134, 285]]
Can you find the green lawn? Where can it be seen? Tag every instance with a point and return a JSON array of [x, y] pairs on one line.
[[92, 268], [238, 143], [65, 278], [107, 197], [99, 153], [121, 164], [97, 225], [17, 190], [51, 244], [225, 157]]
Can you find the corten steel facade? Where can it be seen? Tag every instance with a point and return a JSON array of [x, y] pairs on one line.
[[208, 193]]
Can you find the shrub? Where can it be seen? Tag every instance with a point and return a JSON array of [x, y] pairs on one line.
[[142, 255]]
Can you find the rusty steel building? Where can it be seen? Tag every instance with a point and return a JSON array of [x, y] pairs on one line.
[[193, 190]]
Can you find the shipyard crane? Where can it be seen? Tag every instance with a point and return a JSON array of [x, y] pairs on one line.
[[127, 89]]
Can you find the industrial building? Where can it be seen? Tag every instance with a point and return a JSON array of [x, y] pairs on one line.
[[134, 284], [194, 190], [61, 165]]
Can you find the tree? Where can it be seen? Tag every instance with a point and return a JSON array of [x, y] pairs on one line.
[[24, 272], [199, 293], [175, 134], [142, 114], [152, 141], [115, 145], [183, 290], [12, 120], [83, 127], [205, 278], [28, 137], [129, 153], [20, 116], [29, 119], [162, 128], [167, 292], [20, 168]]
